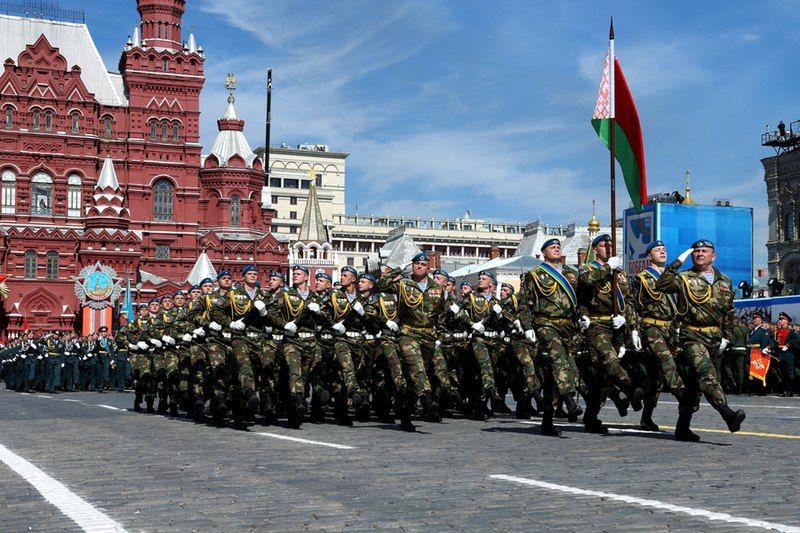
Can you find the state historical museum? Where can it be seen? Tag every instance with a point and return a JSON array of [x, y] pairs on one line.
[[106, 168]]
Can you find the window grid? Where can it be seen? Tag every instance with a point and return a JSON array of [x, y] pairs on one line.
[[30, 264], [162, 200], [51, 270]]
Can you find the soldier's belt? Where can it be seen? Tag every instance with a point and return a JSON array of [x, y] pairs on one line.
[[559, 321], [253, 334], [656, 322], [353, 334], [226, 335], [370, 337], [462, 335], [268, 330], [414, 328], [754, 346], [56, 354], [326, 336], [702, 329], [740, 348], [277, 337], [305, 335], [600, 318], [490, 334]]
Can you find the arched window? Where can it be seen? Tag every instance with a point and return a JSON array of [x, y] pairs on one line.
[[153, 131], [30, 264], [165, 64], [788, 229], [236, 209], [48, 121], [51, 270], [164, 131], [37, 119], [176, 131], [74, 196], [9, 204], [75, 122], [162, 200], [9, 117], [41, 194], [107, 127]]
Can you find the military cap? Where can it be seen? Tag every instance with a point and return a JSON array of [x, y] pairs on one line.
[[155, 301], [348, 268], [222, 273], [465, 282], [166, 297], [422, 256], [102, 329], [142, 306], [507, 286], [436, 272], [451, 279], [301, 267], [323, 275], [784, 315], [248, 268], [58, 331], [758, 314], [277, 274], [196, 287], [367, 275], [654, 244], [549, 242], [703, 243], [488, 274], [205, 281], [603, 237]]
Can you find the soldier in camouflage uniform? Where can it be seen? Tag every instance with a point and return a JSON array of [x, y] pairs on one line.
[[151, 335], [141, 362], [453, 341], [326, 380], [657, 321], [420, 304], [297, 311], [605, 313], [165, 356], [266, 365], [550, 293], [705, 302], [218, 347]]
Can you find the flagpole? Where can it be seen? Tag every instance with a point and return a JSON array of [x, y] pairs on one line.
[[612, 164]]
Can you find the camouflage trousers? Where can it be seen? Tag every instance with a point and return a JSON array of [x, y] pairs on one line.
[[604, 344], [658, 345], [144, 373], [348, 351], [216, 375], [557, 350], [327, 375], [486, 351], [699, 358], [264, 364], [199, 370], [383, 353], [417, 347], [165, 362], [301, 357], [453, 350], [518, 354]]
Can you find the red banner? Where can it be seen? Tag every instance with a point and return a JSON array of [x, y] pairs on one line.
[[759, 365]]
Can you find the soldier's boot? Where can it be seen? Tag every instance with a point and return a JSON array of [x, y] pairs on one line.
[[162, 401], [733, 418], [592, 424], [199, 410], [173, 404], [239, 416], [537, 399], [573, 410], [382, 406], [522, 413], [548, 429], [646, 423], [635, 395], [682, 431], [149, 400], [340, 411], [363, 410], [355, 399], [560, 412], [317, 413], [137, 401], [430, 408], [454, 398], [268, 407], [297, 412], [497, 402], [252, 404], [402, 411], [220, 410], [620, 403]]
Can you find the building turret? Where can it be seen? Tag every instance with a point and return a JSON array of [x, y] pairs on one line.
[[107, 210], [161, 22]]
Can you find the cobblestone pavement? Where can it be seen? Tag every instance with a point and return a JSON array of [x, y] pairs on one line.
[[153, 473]]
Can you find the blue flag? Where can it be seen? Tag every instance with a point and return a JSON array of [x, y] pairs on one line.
[[127, 302]]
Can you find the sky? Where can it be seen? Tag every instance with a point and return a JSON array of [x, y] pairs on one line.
[[486, 106]]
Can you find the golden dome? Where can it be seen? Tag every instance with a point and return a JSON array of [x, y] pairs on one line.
[[687, 198], [594, 224]]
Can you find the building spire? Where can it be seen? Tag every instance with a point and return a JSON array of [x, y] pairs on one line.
[[108, 176], [312, 227], [687, 198], [136, 40], [192, 42]]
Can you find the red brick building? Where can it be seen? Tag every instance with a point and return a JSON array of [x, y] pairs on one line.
[[106, 167]]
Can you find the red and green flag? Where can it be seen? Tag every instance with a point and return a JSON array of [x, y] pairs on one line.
[[615, 106]]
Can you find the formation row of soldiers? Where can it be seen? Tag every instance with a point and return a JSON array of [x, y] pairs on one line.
[[385, 346], [53, 363]]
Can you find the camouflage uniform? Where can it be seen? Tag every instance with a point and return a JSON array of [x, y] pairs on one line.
[[348, 346], [518, 352], [486, 346], [217, 351]]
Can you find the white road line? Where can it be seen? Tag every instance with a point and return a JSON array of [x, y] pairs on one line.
[[654, 504], [76, 508], [69, 400], [610, 428], [109, 407], [306, 441], [751, 406]]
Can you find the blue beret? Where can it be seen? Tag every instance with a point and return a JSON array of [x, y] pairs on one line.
[[224, 272], [703, 243], [487, 274], [654, 244], [603, 237], [102, 329], [277, 274], [465, 282], [154, 301], [324, 275], [422, 256], [549, 242], [441, 272], [142, 306], [205, 281], [248, 268], [352, 270], [196, 287], [507, 286], [301, 267], [451, 279], [166, 297], [367, 275]]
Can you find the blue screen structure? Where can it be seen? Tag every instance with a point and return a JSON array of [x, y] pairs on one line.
[[729, 228]]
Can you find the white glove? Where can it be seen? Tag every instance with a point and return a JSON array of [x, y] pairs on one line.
[[724, 344], [497, 309], [238, 325], [339, 326], [132, 346], [143, 345], [784, 348], [617, 321], [685, 255], [62, 365], [621, 353], [168, 339], [313, 307], [455, 309], [216, 327], [584, 322], [40, 357], [155, 342], [530, 335], [291, 327], [614, 262], [437, 344], [261, 307], [200, 332], [187, 337], [392, 325], [766, 349], [358, 308], [46, 356], [24, 356], [637, 340], [405, 265], [90, 355], [479, 327]]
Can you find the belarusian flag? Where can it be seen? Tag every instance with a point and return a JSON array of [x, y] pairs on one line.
[[615, 105]]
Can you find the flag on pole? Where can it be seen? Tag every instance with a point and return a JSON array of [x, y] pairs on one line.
[[615, 105], [127, 302]]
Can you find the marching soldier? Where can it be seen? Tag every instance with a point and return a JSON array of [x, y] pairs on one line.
[[54, 347], [706, 299], [218, 346], [105, 349]]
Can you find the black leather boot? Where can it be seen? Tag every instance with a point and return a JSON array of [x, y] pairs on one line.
[[682, 431], [548, 429], [150, 400], [646, 423], [522, 412], [733, 418], [573, 410]]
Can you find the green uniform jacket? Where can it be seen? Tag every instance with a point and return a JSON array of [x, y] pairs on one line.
[[595, 297], [546, 298], [416, 308]]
